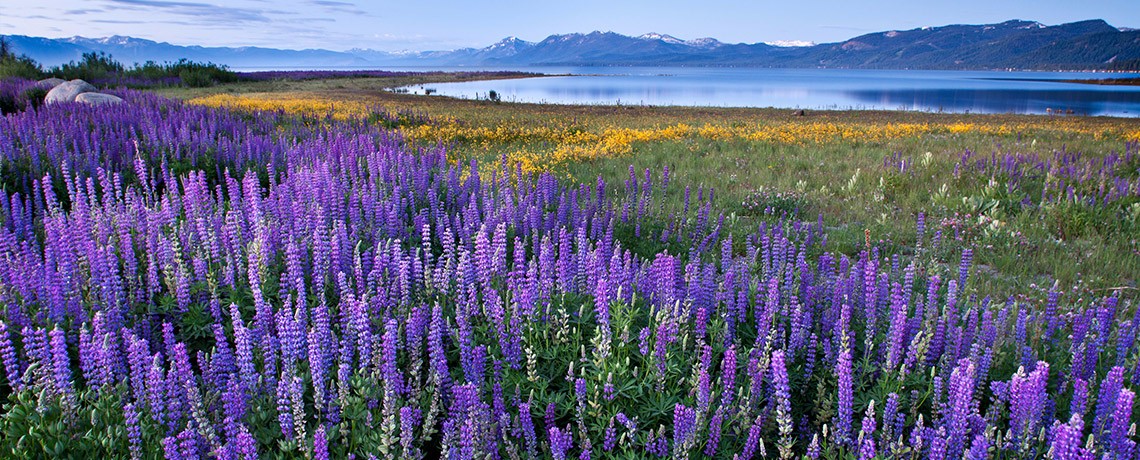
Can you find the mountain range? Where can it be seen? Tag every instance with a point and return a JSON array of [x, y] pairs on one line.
[[1016, 44]]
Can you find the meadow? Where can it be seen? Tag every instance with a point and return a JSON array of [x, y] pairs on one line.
[[319, 269], [997, 182]]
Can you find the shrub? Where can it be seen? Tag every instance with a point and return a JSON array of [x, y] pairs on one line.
[[101, 69], [34, 96], [16, 94], [12, 65], [93, 66], [195, 78]]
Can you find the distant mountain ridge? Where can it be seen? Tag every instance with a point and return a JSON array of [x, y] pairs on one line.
[[1016, 44]]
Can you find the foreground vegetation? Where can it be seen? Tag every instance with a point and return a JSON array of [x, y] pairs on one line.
[[308, 275]]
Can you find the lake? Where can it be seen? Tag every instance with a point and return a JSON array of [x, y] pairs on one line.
[[814, 89]]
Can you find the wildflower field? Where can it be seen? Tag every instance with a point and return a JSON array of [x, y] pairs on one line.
[[257, 275]]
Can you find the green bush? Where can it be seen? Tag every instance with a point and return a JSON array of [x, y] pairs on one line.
[[93, 66], [101, 68], [21, 66], [195, 78], [8, 104], [35, 96]]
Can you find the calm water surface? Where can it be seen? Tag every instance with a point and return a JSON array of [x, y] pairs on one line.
[[932, 91]]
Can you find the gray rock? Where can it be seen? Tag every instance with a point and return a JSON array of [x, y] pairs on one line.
[[67, 91], [97, 99], [49, 83]]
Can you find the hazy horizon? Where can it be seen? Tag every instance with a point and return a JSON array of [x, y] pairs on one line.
[[447, 24]]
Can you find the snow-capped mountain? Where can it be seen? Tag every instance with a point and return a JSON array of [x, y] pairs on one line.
[[663, 37], [1092, 44], [790, 43]]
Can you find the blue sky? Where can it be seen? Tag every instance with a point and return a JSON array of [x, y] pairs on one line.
[[449, 24]]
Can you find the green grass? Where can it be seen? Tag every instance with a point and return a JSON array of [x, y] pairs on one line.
[[887, 204]]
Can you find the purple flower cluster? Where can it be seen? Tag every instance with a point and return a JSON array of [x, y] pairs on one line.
[[1063, 176]]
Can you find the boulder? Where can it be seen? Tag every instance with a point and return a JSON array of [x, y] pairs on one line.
[[97, 99], [49, 83], [67, 91]]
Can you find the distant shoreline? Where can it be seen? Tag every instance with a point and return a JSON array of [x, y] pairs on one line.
[[1127, 81], [1130, 81]]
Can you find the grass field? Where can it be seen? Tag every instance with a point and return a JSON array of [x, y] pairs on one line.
[[868, 174]]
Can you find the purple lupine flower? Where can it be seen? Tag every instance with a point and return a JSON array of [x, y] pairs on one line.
[[550, 415], [1079, 404], [938, 446], [1106, 400], [61, 364], [390, 368], [181, 380], [1123, 447], [783, 402], [560, 442], [846, 397], [867, 434], [1028, 394], [1051, 319], [684, 427], [609, 439], [233, 407], [625, 421], [285, 406], [893, 420], [714, 432], [728, 375], [188, 444], [320, 444], [979, 449], [608, 390], [527, 425], [134, 431], [243, 349], [898, 328], [156, 392], [755, 438], [440, 373], [643, 341], [409, 420], [964, 267], [920, 227], [602, 307], [961, 407], [870, 298], [657, 445], [8, 358], [580, 390], [170, 448], [1066, 440], [91, 360]]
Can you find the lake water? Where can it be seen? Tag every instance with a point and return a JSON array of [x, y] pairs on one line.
[[917, 90]]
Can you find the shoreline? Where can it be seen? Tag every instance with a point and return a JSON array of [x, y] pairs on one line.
[[1130, 81]]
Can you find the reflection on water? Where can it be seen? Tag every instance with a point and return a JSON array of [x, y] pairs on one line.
[[948, 91], [1080, 102]]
